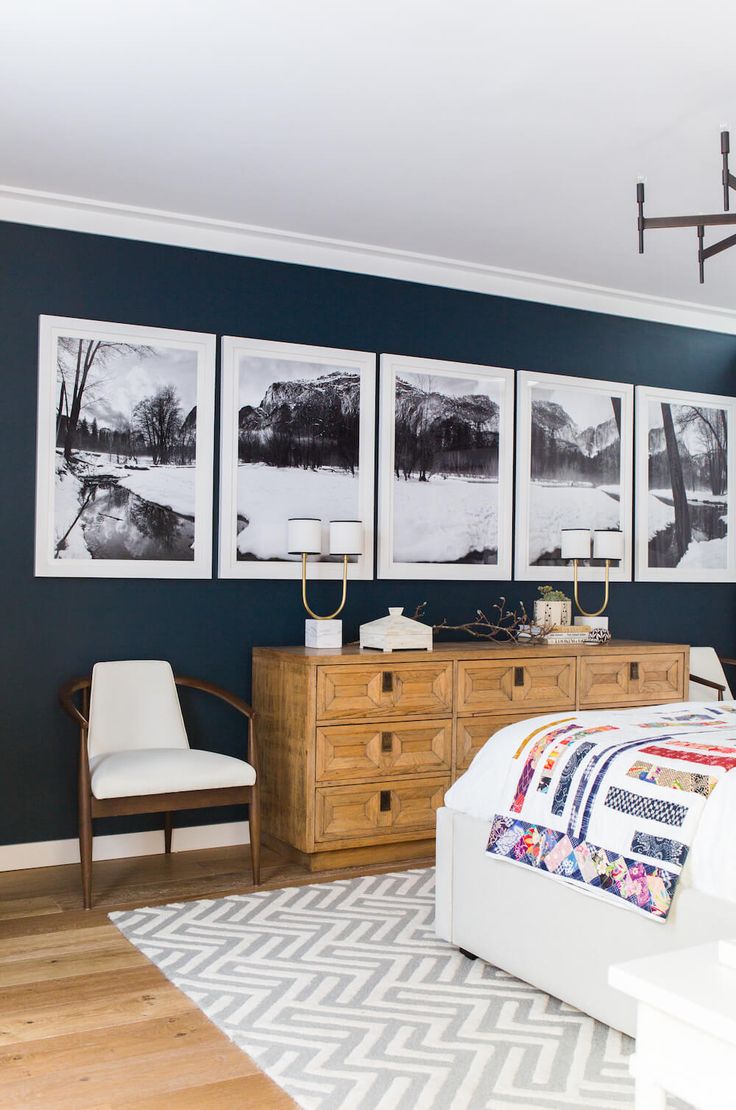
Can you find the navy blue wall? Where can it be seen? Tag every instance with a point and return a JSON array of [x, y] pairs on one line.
[[54, 629]]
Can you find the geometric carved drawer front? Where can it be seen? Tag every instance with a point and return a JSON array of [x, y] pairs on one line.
[[376, 691], [524, 682], [353, 752], [473, 732], [376, 809], [604, 680], [631, 679], [660, 676]]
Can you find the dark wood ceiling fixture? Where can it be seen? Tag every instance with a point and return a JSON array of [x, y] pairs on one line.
[[700, 221]]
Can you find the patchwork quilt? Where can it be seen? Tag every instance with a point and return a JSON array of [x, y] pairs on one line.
[[612, 802]]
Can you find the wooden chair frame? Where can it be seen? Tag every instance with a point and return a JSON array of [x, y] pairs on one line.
[[725, 661], [91, 807]]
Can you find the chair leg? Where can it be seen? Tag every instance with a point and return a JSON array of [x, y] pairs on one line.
[[85, 849], [168, 826], [254, 821]]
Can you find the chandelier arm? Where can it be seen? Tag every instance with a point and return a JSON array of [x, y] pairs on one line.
[[721, 245], [707, 219], [341, 606]]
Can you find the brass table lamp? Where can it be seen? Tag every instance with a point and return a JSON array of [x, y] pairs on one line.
[[607, 545], [305, 539]]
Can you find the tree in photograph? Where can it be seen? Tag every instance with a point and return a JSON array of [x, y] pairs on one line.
[[683, 531], [712, 433], [158, 419], [80, 364]]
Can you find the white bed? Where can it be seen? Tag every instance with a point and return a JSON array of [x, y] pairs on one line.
[[554, 936]]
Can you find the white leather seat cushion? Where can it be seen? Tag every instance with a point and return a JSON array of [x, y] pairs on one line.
[[165, 770]]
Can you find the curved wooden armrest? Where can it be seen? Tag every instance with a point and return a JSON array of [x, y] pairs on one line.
[[709, 683], [729, 662], [66, 697], [210, 688]]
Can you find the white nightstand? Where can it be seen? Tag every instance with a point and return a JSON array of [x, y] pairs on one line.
[[685, 1027]]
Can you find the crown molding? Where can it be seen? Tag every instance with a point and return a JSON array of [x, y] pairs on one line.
[[70, 213]]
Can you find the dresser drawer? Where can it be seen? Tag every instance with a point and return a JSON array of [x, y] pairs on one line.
[[535, 684], [631, 680], [472, 733], [378, 810], [354, 752], [376, 691]]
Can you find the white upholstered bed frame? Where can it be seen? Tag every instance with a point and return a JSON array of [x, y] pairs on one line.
[[559, 939]]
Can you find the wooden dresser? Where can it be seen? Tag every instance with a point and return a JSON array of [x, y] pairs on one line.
[[358, 748]]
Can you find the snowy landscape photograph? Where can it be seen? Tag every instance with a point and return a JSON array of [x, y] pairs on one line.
[[445, 498], [297, 440], [684, 464], [573, 469], [124, 479]]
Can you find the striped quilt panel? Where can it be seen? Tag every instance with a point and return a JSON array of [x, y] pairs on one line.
[[587, 806]]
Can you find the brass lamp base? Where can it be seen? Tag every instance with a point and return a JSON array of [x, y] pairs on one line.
[[580, 609], [340, 607]]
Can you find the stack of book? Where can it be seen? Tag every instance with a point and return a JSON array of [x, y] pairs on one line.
[[567, 634]]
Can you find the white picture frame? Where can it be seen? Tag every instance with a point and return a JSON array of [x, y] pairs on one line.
[[537, 527], [411, 548], [104, 507], [331, 491], [704, 427]]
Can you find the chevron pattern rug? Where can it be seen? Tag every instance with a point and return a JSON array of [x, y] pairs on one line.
[[344, 996]]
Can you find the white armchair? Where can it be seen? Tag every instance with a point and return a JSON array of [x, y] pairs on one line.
[[134, 754], [707, 675]]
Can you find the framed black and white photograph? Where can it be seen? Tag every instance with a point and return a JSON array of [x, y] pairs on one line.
[[297, 440], [124, 451], [574, 448], [445, 478], [684, 475]]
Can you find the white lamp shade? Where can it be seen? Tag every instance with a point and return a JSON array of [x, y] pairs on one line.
[[346, 537], [608, 544], [304, 536], [575, 543]]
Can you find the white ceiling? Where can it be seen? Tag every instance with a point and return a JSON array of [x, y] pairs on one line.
[[504, 133]]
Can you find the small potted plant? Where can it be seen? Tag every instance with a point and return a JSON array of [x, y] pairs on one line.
[[552, 608]]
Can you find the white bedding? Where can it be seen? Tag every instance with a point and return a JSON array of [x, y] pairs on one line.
[[711, 864]]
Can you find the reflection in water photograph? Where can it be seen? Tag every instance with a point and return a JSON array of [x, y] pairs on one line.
[[125, 445], [574, 469], [684, 478], [297, 441]]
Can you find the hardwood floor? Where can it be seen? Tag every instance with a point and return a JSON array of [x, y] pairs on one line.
[[86, 1021]]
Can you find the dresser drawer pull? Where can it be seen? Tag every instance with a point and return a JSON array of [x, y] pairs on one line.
[[385, 801], [633, 670], [387, 741], [518, 676], [387, 683]]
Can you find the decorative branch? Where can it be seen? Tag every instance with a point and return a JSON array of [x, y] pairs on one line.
[[504, 624]]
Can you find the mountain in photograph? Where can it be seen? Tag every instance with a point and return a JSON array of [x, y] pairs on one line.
[[439, 433], [307, 422], [564, 452]]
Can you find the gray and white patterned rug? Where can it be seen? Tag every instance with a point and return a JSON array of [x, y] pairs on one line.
[[342, 993]]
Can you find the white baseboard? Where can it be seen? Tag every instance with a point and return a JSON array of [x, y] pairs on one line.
[[52, 853]]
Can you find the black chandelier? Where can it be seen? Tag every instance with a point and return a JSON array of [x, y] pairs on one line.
[[645, 223]]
